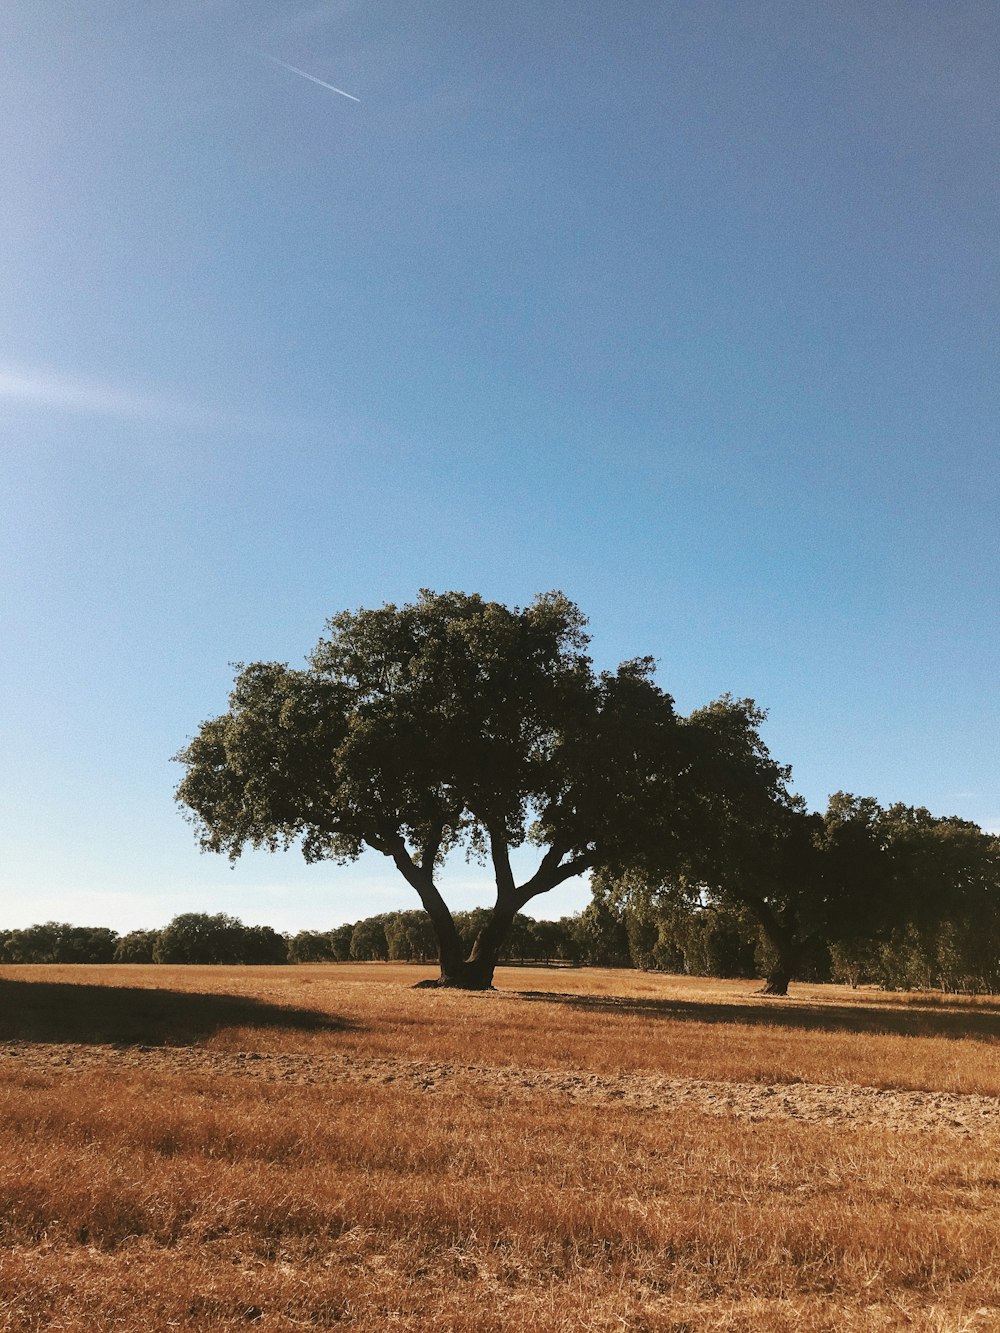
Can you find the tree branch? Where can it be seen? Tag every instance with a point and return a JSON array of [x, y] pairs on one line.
[[421, 878], [500, 854], [552, 873], [429, 850], [777, 931], [417, 876]]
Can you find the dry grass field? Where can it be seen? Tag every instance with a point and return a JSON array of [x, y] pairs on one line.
[[310, 1147]]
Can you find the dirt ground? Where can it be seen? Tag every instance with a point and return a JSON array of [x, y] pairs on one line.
[[962, 1114], [318, 1146]]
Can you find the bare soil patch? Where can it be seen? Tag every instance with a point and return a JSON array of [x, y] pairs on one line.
[[897, 1109]]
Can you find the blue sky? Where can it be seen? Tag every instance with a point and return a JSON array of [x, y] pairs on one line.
[[689, 310]]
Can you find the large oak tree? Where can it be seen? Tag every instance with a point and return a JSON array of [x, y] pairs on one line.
[[449, 722]]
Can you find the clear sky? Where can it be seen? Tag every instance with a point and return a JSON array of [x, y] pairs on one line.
[[685, 307]]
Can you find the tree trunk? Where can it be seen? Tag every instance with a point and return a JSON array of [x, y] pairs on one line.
[[781, 936], [470, 974], [788, 951], [778, 978], [476, 971]]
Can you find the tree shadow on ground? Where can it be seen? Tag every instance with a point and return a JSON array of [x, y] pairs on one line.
[[48, 1011], [977, 1024]]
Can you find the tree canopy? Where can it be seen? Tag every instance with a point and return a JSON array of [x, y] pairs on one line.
[[865, 884], [449, 722], [454, 722], [752, 846]]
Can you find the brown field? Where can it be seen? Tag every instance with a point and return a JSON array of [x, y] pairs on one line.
[[320, 1146]]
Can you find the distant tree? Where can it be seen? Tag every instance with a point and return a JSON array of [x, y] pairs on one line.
[[33, 944], [699, 938], [340, 942], [197, 937], [470, 925], [368, 941], [567, 938], [601, 933], [409, 937], [449, 722], [315, 946], [262, 945], [310, 946], [522, 944], [60, 942], [136, 947], [397, 939]]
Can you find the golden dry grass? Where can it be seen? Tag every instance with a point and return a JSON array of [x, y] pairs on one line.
[[189, 1187]]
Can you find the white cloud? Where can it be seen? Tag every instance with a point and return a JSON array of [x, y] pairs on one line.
[[54, 391]]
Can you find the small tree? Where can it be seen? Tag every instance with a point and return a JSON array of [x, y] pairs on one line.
[[263, 945], [451, 722], [601, 933], [340, 942]]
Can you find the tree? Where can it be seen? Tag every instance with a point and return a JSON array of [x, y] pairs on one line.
[[262, 945], [368, 941], [340, 942], [136, 947], [197, 937], [410, 937], [751, 845], [310, 946], [601, 933], [60, 942], [449, 722], [945, 881]]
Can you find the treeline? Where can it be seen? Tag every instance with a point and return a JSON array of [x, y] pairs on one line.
[[716, 941], [194, 937], [922, 949], [860, 893], [408, 937], [198, 937]]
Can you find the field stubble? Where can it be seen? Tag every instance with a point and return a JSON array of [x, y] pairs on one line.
[[324, 1146]]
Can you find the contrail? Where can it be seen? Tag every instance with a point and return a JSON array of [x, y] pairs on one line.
[[312, 78]]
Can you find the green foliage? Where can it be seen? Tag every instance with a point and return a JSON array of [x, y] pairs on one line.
[[410, 937], [750, 845], [136, 947], [197, 937], [450, 722], [860, 894], [59, 942], [368, 941], [263, 945], [313, 946], [714, 941], [340, 942], [944, 887], [601, 932]]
